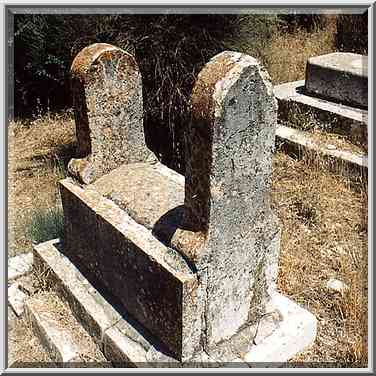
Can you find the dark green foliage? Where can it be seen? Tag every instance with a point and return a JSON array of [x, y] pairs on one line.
[[352, 33], [170, 50], [40, 63], [45, 224], [305, 21]]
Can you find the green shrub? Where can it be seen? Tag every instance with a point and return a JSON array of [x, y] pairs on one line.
[[45, 224]]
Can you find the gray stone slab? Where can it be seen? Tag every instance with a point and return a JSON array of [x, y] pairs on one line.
[[19, 265], [346, 162], [230, 142], [151, 194], [293, 102], [153, 282], [339, 76], [296, 332], [91, 309], [16, 298], [56, 339]]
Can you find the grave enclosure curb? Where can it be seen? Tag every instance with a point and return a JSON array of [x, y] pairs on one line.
[[125, 346]]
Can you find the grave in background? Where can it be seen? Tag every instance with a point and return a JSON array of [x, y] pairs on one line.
[[335, 92], [190, 263], [339, 76], [334, 96]]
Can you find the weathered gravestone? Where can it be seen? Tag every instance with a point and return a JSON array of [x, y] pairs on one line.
[[193, 260], [107, 97]]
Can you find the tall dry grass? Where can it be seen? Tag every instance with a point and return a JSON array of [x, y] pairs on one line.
[[38, 151], [324, 235], [286, 56]]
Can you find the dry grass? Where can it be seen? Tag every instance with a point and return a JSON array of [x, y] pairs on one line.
[[25, 347], [324, 220], [324, 216], [38, 151], [287, 55], [324, 235]]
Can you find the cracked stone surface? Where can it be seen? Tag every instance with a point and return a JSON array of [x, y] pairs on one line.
[[197, 271], [16, 298], [107, 96]]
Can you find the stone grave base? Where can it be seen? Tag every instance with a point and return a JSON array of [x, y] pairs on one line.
[[342, 162], [340, 76], [295, 105], [350, 121], [125, 343]]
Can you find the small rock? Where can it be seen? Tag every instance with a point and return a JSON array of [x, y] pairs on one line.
[[19, 265], [336, 285], [331, 147]]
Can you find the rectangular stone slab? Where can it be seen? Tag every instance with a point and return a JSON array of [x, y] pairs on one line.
[[340, 76], [142, 273], [56, 338], [87, 305], [293, 103]]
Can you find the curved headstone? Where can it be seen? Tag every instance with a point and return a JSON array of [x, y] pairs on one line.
[[230, 143], [107, 97]]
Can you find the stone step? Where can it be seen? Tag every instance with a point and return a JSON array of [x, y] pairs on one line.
[[296, 106], [126, 344], [344, 162], [66, 342], [119, 338]]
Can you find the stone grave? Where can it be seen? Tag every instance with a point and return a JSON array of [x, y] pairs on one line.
[[188, 263], [335, 96]]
